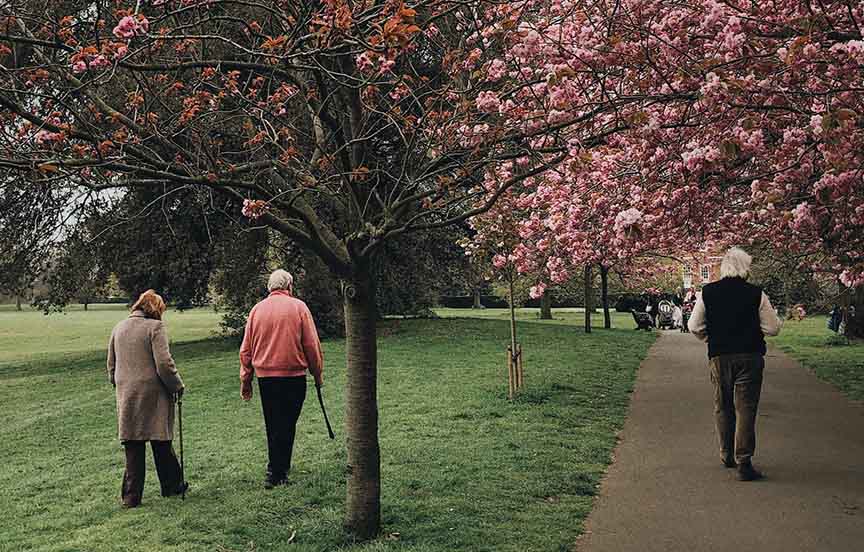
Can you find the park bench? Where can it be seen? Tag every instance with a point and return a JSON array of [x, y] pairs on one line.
[[643, 320]]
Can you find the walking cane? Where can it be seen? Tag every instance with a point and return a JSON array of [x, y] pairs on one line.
[[326, 421], [183, 484]]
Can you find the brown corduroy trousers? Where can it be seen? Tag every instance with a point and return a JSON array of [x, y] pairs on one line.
[[167, 468], [737, 383]]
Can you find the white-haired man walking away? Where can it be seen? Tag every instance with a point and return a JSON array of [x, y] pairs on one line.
[[280, 344], [734, 317]]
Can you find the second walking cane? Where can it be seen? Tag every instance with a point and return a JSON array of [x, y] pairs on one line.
[[326, 420], [183, 484]]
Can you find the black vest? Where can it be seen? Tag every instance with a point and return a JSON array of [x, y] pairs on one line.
[[732, 317]]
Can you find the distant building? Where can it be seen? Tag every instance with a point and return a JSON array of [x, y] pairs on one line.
[[700, 270]]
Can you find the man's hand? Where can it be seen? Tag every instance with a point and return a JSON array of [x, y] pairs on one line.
[[319, 382], [246, 390]]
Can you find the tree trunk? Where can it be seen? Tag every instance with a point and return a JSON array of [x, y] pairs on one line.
[[546, 306], [86, 304], [477, 303], [855, 313], [363, 501], [604, 291], [18, 303], [588, 298]]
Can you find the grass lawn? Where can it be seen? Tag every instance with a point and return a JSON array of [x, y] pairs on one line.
[[463, 469], [811, 342], [31, 336], [561, 317]]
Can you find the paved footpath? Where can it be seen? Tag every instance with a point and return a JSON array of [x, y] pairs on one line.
[[667, 491]]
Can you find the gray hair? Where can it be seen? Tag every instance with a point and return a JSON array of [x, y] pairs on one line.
[[736, 264], [280, 279]]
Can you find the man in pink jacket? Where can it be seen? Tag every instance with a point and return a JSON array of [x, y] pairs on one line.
[[280, 344]]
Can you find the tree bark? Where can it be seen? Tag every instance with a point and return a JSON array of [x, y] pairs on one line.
[[478, 304], [588, 306], [855, 313], [363, 502], [546, 306], [18, 303], [604, 291]]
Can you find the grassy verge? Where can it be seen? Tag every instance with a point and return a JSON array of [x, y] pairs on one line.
[[463, 468], [831, 359]]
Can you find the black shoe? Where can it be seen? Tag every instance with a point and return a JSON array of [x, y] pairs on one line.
[[728, 462], [746, 472], [179, 490], [271, 481]]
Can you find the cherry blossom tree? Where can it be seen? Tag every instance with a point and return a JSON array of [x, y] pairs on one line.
[[735, 122], [343, 124], [337, 124]]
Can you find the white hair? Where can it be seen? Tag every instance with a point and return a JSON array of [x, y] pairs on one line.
[[280, 279], [736, 264]]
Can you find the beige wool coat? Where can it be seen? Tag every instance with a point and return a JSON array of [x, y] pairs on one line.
[[143, 372]]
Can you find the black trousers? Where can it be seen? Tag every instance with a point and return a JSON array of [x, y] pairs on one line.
[[282, 400], [167, 468]]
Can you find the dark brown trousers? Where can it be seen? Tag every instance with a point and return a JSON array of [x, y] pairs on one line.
[[167, 468], [737, 383]]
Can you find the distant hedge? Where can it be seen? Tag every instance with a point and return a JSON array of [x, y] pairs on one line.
[[467, 301]]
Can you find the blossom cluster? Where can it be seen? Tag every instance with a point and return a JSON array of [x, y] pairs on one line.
[[254, 208], [736, 126], [93, 59], [131, 26]]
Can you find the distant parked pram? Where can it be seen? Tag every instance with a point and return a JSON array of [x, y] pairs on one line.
[[665, 320]]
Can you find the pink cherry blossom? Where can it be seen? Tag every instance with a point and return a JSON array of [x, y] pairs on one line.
[[44, 137], [131, 26], [535, 292], [628, 218], [488, 102], [254, 208]]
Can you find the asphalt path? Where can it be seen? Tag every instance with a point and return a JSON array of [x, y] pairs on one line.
[[667, 490]]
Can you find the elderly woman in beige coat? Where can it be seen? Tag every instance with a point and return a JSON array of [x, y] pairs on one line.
[[146, 381]]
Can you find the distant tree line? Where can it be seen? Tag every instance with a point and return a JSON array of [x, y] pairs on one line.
[[196, 249]]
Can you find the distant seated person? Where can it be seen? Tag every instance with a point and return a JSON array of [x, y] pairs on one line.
[[142, 370]]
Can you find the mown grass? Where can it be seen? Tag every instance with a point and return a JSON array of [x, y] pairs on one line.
[[463, 468], [562, 316], [31, 336], [832, 359]]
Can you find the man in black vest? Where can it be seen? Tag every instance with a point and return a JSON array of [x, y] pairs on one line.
[[734, 317]]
